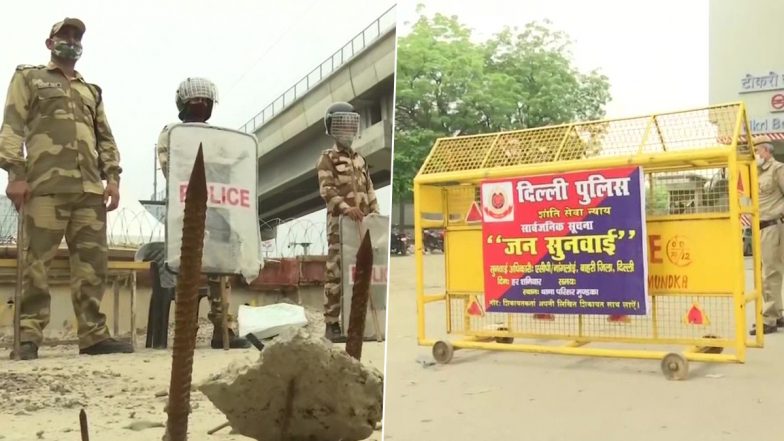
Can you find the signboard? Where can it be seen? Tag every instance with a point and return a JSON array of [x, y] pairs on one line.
[[232, 242], [350, 241], [761, 83], [767, 124], [682, 256], [566, 244]]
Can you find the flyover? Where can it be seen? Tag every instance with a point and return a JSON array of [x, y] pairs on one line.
[[291, 131]]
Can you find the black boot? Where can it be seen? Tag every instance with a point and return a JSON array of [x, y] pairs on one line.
[[27, 351], [234, 341], [108, 346], [780, 323], [334, 334], [766, 329]]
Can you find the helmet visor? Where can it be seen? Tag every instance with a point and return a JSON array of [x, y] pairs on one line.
[[344, 125]]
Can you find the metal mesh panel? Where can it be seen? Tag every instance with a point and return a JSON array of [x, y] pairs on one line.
[[668, 323], [458, 202], [526, 147], [678, 131], [687, 192], [458, 154]]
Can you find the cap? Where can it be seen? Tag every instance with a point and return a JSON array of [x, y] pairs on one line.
[[762, 139], [67, 21]]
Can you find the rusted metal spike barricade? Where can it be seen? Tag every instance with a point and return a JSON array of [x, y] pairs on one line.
[[186, 304]]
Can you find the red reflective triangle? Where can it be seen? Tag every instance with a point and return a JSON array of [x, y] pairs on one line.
[[474, 213], [740, 183], [475, 309], [695, 316]]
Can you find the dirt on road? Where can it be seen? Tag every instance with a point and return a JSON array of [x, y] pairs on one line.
[[124, 395]]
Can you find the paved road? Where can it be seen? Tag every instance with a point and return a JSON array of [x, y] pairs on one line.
[[504, 396]]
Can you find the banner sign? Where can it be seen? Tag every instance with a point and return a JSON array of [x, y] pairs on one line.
[[566, 244]]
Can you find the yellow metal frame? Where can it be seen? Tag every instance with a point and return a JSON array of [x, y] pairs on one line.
[[441, 172]]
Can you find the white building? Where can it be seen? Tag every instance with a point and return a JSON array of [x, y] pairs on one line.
[[746, 62]]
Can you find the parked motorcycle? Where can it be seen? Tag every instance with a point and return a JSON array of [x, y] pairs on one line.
[[399, 243], [433, 240]]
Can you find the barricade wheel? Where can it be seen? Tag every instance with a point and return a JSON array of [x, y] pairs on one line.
[[675, 367], [443, 351]]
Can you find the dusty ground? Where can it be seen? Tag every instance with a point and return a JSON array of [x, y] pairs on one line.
[[123, 395], [502, 396]]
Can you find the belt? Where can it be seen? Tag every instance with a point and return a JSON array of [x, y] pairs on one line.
[[768, 223]]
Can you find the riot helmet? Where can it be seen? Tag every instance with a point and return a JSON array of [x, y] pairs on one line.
[[195, 98], [342, 123]]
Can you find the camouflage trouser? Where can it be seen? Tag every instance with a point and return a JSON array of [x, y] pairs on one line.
[[82, 219], [332, 282]]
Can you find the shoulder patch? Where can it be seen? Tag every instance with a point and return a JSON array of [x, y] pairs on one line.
[[22, 67]]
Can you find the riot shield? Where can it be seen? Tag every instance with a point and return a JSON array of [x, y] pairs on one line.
[[349, 245], [232, 239]]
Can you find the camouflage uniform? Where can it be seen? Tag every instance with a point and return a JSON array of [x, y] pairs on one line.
[[58, 120], [344, 182], [167, 278]]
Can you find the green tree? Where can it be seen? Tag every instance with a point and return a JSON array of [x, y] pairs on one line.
[[657, 202], [447, 84]]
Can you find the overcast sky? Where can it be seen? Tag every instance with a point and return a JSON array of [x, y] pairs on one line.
[[656, 56], [654, 53], [139, 51]]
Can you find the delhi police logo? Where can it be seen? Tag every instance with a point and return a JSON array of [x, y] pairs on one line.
[[497, 202]]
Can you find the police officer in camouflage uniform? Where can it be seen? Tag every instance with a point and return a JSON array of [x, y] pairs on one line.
[[195, 99], [346, 187], [70, 149], [771, 206]]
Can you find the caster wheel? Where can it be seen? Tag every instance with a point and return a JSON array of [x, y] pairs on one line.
[[443, 352], [675, 367], [710, 349]]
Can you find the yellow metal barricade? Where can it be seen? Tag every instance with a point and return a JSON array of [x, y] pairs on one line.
[[700, 192]]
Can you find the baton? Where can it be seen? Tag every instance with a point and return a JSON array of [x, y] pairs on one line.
[[20, 239]]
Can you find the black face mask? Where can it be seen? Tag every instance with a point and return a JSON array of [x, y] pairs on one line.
[[196, 112]]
